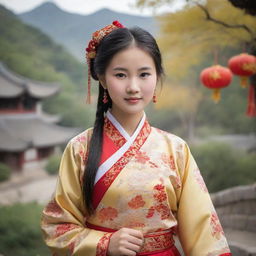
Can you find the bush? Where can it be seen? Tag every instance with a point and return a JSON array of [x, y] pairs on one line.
[[20, 232], [5, 172], [52, 167], [223, 166]]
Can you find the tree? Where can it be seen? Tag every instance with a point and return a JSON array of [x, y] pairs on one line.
[[189, 37]]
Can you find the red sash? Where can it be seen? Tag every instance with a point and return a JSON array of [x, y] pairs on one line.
[[159, 243]]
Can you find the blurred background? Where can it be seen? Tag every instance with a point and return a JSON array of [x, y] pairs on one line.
[[207, 98]]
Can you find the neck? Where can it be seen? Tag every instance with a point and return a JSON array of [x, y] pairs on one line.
[[128, 121]]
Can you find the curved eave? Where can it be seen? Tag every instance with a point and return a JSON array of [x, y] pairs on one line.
[[32, 131], [41, 90], [20, 84]]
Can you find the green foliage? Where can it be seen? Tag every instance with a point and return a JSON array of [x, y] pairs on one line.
[[222, 166], [30, 53], [5, 172], [20, 232], [52, 165]]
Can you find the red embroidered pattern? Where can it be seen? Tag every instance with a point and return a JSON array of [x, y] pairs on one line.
[[217, 230], [155, 242], [136, 225], [200, 179], [102, 245], [110, 175], [107, 214], [172, 163], [163, 210], [113, 133], [81, 138], [159, 193], [141, 157], [136, 202], [151, 212], [53, 209], [160, 205], [63, 228]]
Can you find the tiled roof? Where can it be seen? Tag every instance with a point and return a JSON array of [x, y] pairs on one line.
[[13, 85], [18, 132]]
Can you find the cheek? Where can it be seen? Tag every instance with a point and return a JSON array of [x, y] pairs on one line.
[[114, 87], [150, 86]]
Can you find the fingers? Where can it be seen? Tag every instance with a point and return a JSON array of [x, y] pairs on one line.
[[125, 242], [128, 252]]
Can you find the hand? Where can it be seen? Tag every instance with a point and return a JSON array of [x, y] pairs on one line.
[[126, 242]]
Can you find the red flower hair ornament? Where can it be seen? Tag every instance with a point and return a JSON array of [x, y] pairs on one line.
[[91, 50]]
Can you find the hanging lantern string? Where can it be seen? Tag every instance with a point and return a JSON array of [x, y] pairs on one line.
[[215, 56]]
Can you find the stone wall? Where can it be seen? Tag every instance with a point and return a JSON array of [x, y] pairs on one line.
[[236, 208]]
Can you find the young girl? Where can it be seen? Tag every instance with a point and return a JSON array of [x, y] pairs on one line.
[[124, 187]]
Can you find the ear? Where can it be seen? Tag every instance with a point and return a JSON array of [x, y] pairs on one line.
[[102, 81]]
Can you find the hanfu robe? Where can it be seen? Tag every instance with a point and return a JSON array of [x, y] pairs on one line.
[[148, 181]]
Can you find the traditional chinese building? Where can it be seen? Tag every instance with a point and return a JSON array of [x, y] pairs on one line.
[[27, 134]]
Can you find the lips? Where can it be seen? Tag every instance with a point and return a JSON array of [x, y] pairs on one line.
[[133, 99]]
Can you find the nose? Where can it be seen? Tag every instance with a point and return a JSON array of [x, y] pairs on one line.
[[133, 86]]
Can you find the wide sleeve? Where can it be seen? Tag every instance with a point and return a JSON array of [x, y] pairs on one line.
[[199, 229], [63, 218]]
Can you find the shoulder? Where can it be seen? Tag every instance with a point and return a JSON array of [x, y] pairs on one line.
[[78, 144], [170, 138], [82, 138]]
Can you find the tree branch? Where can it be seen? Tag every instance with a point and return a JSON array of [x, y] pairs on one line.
[[210, 18]]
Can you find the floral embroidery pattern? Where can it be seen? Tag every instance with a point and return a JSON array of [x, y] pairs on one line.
[[113, 134], [102, 245], [217, 230], [160, 205], [141, 157], [200, 179], [136, 202], [172, 163], [168, 160], [156, 242], [110, 175], [53, 209], [81, 138], [159, 193], [107, 214], [136, 225], [63, 228]]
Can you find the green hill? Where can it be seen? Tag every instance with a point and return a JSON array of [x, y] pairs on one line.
[[74, 30], [31, 53]]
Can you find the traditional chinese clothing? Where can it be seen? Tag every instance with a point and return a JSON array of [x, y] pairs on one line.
[[148, 181]]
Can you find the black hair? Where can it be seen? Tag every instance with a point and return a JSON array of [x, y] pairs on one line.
[[110, 45]]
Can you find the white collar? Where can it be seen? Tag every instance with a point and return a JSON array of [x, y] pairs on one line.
[[122, 130]]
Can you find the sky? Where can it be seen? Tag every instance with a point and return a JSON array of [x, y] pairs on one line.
[[87, 6]]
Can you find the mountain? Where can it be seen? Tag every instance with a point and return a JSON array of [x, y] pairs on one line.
[[74, 30], [29, 52]]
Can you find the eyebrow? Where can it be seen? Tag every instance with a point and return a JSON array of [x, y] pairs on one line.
[[124, 69]]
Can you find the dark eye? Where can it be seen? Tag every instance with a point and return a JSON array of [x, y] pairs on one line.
[[144, 74], [120, 75]]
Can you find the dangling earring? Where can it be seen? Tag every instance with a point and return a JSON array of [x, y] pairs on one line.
[[154, 98], [105, 97]]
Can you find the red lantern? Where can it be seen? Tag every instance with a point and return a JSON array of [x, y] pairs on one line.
[[243, 65], [216, 77]]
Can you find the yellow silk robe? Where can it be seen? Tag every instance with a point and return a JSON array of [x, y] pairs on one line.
[[156, 185]]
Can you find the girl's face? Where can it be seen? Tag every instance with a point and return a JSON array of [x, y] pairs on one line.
[[130, 79]]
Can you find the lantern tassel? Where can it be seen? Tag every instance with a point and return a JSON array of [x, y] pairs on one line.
[[216, 95], [244, 81], [251, 107]]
